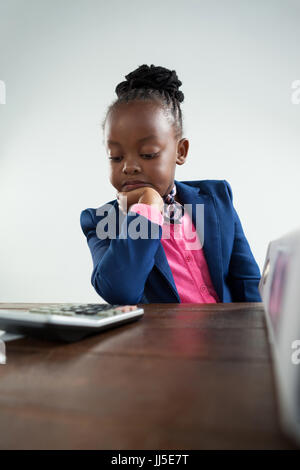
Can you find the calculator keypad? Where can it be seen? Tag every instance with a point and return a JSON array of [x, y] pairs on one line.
[[99, 310]]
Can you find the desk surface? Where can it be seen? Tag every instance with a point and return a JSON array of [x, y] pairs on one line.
[[185, 376]]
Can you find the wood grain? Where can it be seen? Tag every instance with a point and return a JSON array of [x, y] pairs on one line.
[[185, 376]]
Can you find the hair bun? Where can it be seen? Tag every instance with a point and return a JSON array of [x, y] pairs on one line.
[[153, 77]]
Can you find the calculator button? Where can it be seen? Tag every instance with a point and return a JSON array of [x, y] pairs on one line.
[[51, 311], [61, 312], [104, 314], [99, 310], [39, 310]]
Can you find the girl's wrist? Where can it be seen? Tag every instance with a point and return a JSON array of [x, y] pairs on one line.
[[155, 205], [150, 211], [151, 201]]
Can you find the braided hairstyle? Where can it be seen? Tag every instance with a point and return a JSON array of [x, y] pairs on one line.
[[153, 83]]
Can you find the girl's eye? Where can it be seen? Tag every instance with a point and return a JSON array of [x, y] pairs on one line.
[[150, 155], [147, 156]]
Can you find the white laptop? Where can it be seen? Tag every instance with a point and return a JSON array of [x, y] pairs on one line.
[[279, 288]]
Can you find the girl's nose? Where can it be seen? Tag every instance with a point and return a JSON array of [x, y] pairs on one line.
[[131, 168]]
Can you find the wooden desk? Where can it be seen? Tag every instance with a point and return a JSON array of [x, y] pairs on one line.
[[185, 376]]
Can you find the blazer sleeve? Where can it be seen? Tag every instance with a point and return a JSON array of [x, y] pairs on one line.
[[121, 263], [244, 273]]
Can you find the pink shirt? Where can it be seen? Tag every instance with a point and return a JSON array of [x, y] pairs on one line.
[[185, 256]]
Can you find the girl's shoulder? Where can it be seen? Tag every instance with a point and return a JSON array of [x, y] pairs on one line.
[[215, 187]]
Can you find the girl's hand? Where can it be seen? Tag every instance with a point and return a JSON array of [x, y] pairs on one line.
[[144, 195]]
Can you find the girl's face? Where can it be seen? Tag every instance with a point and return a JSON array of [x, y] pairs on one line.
[[140, 145]]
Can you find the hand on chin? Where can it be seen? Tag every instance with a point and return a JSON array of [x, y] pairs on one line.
[[144, 195]]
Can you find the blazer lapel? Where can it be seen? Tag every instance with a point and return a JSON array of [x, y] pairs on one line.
[[209, 235], [161, 262]]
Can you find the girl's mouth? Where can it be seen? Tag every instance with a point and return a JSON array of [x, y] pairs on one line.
[[129, 187]]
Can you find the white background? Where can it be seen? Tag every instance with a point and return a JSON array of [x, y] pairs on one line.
[[61, 62]]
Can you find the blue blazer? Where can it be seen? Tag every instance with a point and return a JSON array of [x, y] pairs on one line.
[[128, 271]]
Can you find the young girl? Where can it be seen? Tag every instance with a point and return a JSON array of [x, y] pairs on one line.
[[143, 137]]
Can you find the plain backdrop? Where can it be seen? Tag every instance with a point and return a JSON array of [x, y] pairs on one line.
[[61, 61]]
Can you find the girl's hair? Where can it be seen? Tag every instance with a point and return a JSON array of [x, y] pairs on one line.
[[153, 83]]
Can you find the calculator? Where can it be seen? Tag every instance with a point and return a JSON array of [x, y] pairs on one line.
[[67, 321]]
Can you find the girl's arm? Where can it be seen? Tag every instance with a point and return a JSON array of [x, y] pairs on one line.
[[244, 273], [121, 264]]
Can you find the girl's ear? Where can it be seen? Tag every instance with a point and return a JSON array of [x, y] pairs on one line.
[[182, 151], [180, 160]]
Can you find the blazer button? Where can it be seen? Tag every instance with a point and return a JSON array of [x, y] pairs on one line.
[[203, 289], [188, 258]]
